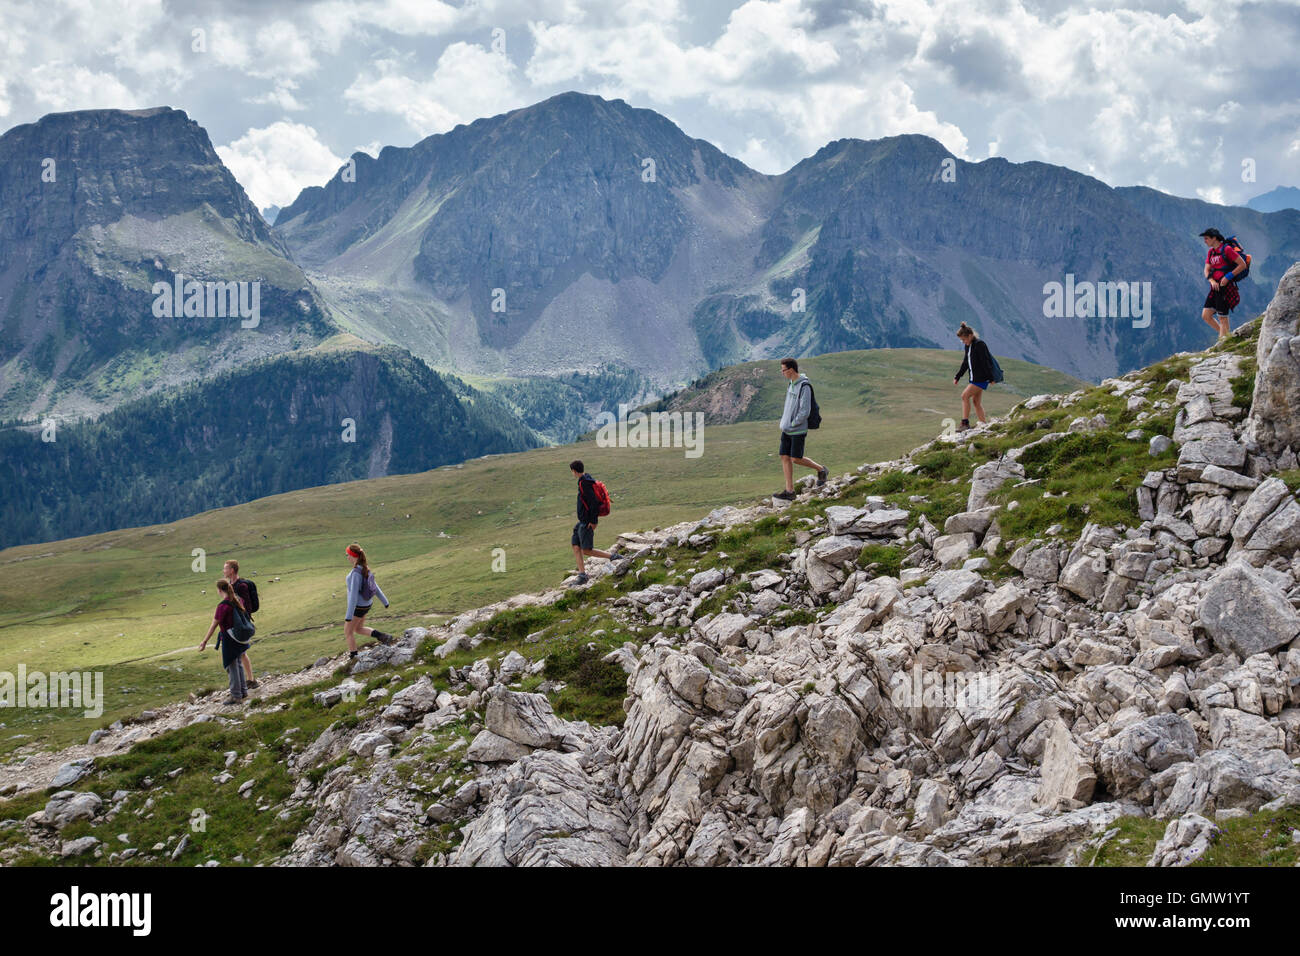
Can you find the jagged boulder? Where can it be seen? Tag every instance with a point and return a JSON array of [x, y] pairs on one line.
[[1184, 842], [549, 810], [1067, 776], [1273, 423], [68, 806], [1245, 613], [988, 478], [1128, 760]]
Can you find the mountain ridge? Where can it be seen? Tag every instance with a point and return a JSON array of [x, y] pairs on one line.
[[892, 242]]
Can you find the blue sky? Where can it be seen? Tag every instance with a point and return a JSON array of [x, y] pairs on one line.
[[1187, 97]]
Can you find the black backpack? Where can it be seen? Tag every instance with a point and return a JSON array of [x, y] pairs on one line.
[[815, 412], [254, 605], [1232, 242], [242, 628]]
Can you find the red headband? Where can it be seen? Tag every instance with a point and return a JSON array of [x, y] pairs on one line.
[[348, 550]]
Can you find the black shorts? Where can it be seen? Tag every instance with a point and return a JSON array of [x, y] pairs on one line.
[[584, 536], [792, 445], [361, 610], [1218, 300]]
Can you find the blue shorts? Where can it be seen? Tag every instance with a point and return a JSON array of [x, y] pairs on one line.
[[981, 385]]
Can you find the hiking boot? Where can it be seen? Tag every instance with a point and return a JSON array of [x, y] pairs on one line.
[[232, 701], [964, 427], [615, 554], [253, 685], [785, 495], [352, 653], [581, 579], [822, 475], [382, 638]]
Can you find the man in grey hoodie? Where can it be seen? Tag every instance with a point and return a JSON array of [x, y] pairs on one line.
[[794, 427]]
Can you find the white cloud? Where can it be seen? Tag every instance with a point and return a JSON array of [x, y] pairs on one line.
[[467, 82], [281, 96], [276, 162], [60, 86], [1213, 194], [757, 155]]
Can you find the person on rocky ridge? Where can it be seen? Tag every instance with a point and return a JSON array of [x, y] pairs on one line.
[[978, 361], [1224, 265], [794, 427], [583, 539], [362, 590], [230, 571], [231, 649]]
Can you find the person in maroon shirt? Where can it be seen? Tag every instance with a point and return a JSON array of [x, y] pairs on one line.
[[231, 650], [1223, 266], [230, 570]]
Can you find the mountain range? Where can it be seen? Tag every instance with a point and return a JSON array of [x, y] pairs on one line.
[[581, 231], [1283, 197]]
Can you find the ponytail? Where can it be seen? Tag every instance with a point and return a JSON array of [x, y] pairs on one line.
[[228, 589], [356, 552]]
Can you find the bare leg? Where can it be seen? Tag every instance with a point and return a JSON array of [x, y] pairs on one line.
[[806, 462], [349, 631], [1208, 316], [248, 667], [979, 407], [593, 553], [1225, 325], [577, 553], [787, 466], [967, 395]]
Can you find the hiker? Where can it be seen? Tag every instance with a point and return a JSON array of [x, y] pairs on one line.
[[1224, 265], [362, 590], [247, 592], [978, 361], [230, 616], [794, 427], [593, 499]]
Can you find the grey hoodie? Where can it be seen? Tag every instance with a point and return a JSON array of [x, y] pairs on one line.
[[798, 405]]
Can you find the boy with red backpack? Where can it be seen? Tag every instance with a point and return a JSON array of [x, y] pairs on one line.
[[1226, 263], [593, 504]]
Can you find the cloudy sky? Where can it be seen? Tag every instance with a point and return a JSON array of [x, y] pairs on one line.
[[1175, 95]]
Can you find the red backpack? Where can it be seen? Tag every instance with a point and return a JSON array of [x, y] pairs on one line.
[[602, 498]]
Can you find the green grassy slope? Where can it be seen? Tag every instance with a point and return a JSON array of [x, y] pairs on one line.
[[128, 603]]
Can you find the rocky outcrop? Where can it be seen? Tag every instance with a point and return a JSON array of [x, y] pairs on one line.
[[1274, 425]]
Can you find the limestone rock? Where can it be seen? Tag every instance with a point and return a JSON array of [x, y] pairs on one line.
[[1184, 842], [1273, 422], [1243, 612]]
